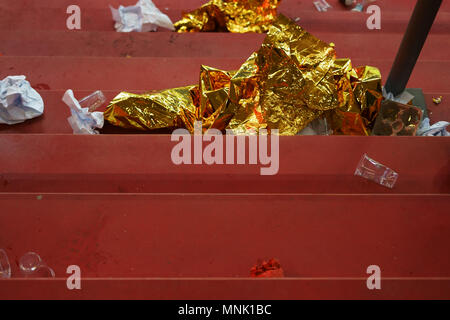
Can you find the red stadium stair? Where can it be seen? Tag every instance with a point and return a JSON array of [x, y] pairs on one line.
[[141, 227]]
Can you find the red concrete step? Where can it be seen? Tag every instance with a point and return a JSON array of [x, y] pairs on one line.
[[85, 73], [118, 207], [400, 5], [163, 44], [56, 112], [313, 21], [116, 44], [210, 235], [51, 14], [228, 289], [90, 73], [142, 164], [185, 5]]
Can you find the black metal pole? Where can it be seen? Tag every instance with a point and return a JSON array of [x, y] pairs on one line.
[[413, 41]]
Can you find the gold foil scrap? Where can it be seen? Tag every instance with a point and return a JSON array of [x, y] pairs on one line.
[[293, 79], [214, 87], [245, 98], [360, 99], [239, 16], [157, 110]]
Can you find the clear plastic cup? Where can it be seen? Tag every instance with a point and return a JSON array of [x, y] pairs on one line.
[[32, 266], [5, 267], [93, 101]]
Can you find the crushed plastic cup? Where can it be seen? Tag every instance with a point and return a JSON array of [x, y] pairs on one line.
[[82, 120], [5, 268], [376, 172], [32, 266], [93, 101]]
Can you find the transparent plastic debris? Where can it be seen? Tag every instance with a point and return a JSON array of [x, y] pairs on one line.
[[18, 101], [439, 129], [5, 267], [322, 5], [93, 101], [397, 119], [142, 17], [82, 120], [376, 172], [32, 266], [405, 97], [318, 127], [361, 5], [358, 8], [326, 4]]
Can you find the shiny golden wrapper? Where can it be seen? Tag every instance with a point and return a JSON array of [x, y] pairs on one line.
[[360, 101], [150, 111], [239, 16], [293, 79]]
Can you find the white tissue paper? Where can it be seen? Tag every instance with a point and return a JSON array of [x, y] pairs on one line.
[[439, 129], [82, 121], [144, 16], [18, 100]]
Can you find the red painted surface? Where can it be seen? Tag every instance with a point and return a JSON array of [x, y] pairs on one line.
[[210, 235], [204, 236], [141, 227], [228, 289], [352, 45], [142, 163], [98, 17]]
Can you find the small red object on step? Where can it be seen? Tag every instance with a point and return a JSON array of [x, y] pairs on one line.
[[267, 269]]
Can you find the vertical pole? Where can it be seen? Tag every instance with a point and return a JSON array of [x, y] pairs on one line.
[[413, 41]]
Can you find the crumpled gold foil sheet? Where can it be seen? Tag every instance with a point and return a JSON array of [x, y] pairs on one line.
[[239, 16], [157, 110], [293, 79], [360, 100]]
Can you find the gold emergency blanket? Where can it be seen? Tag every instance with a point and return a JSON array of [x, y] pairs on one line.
[[292, 80], [238, 16]]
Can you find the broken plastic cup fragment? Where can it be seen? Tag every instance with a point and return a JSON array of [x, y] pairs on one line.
[[376, 172], [93, 101]]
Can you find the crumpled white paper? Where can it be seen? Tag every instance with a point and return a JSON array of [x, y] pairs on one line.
[[142, 17], [82, 121], [436, 130], [18, 100]]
